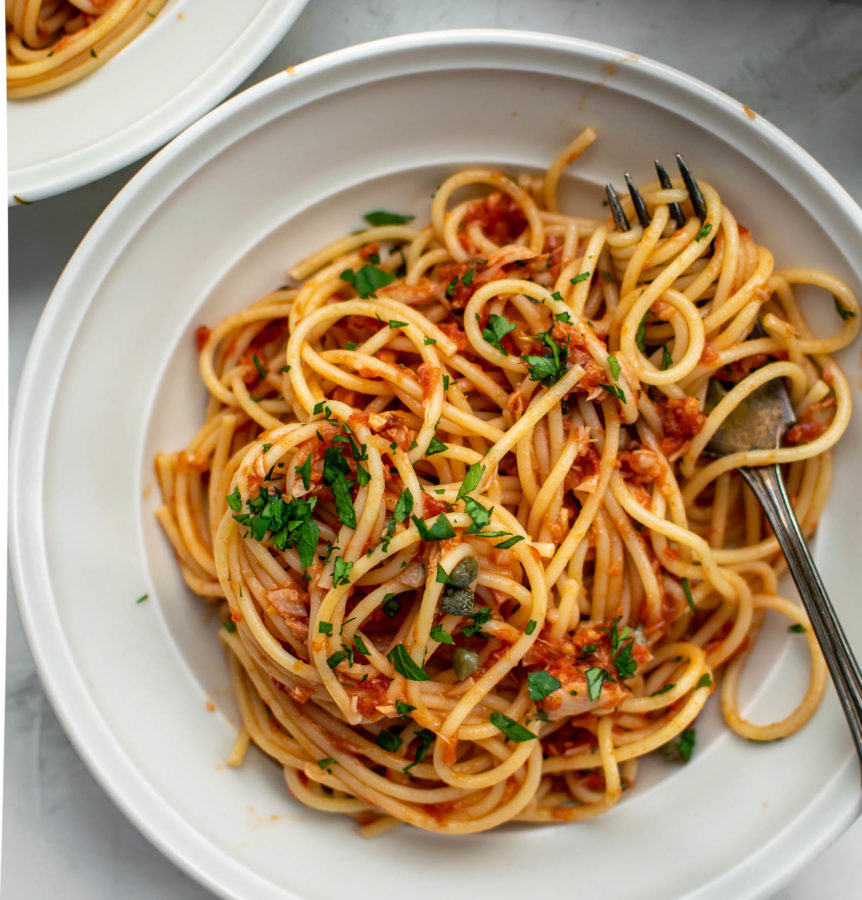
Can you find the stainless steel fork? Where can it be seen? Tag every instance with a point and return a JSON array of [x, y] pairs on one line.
[[759, 423]]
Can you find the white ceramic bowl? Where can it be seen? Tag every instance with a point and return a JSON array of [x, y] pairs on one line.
[[190, 58], [207, 227]]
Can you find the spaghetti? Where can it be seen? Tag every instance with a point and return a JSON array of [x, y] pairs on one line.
[[51, 43], [451, 494]]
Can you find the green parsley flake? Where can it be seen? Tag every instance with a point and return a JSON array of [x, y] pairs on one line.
[[304, 472], [513, 730], [510, 542], [394, 323], [666, 358], [234, 500], [663, 690], [704, 231], [615, 391], [439, 634], [541, 684], [497, 328], [391, 605], [367, 280], [341, 572], [381, 217], [531, 626], [688, 596], [435, 445], [704, 681], [259, 366], [404, 664], [595, 677], [442, 575], [471, 480], [584, 276], [142, 598], [326, 763], [842, 310], [440, 530], [388, 741], [797, 628], [403, 708], [680, 748], [615, 367]]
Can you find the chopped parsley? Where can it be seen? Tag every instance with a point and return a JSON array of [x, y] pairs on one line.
[[435, 445], [513, 730], [391, 605], [381, 217], [797, 628], [687, 590], [842, 310], [388, 741], [607, 276], [478, 513], [563, 317], [404, 665], [229, 626], [341, 572], [679, 749], [471, 481], [430, 341], [442, 575], [480, 617], [439, 634], [663, 690], [335, 470], [496, 329], [304, 472], [640, 337], [541, 684], [615, 391], [234, 500], [324, 627], [326, 763], [289, 524], [403, 507], [509, 542], [338, 657], [259, 366], [622, 644], [666, 358], [584, 276], [613, 362], [440, 530], [531, 626], [426, 739], [142, 598], [395, 323], [595, 677], [403, 708], [367, 280], [360, 645], [704, 681], [548, 370], [704, 231]]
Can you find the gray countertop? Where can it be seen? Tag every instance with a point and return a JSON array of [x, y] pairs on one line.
[[796, 63]]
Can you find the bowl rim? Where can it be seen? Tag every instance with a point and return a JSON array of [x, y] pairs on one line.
[[151, 814], [107, 157]]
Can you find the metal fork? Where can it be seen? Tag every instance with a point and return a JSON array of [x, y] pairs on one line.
[[759, 423]]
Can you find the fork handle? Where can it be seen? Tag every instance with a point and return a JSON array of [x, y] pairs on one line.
[[768, 487]]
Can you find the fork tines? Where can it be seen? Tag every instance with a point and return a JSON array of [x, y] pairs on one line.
[[621, 221]]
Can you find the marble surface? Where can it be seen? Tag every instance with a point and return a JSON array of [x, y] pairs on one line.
[[797, 63]]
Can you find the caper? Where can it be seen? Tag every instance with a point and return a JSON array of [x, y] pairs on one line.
[[457, 601], [464, 574], [464, 662]]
